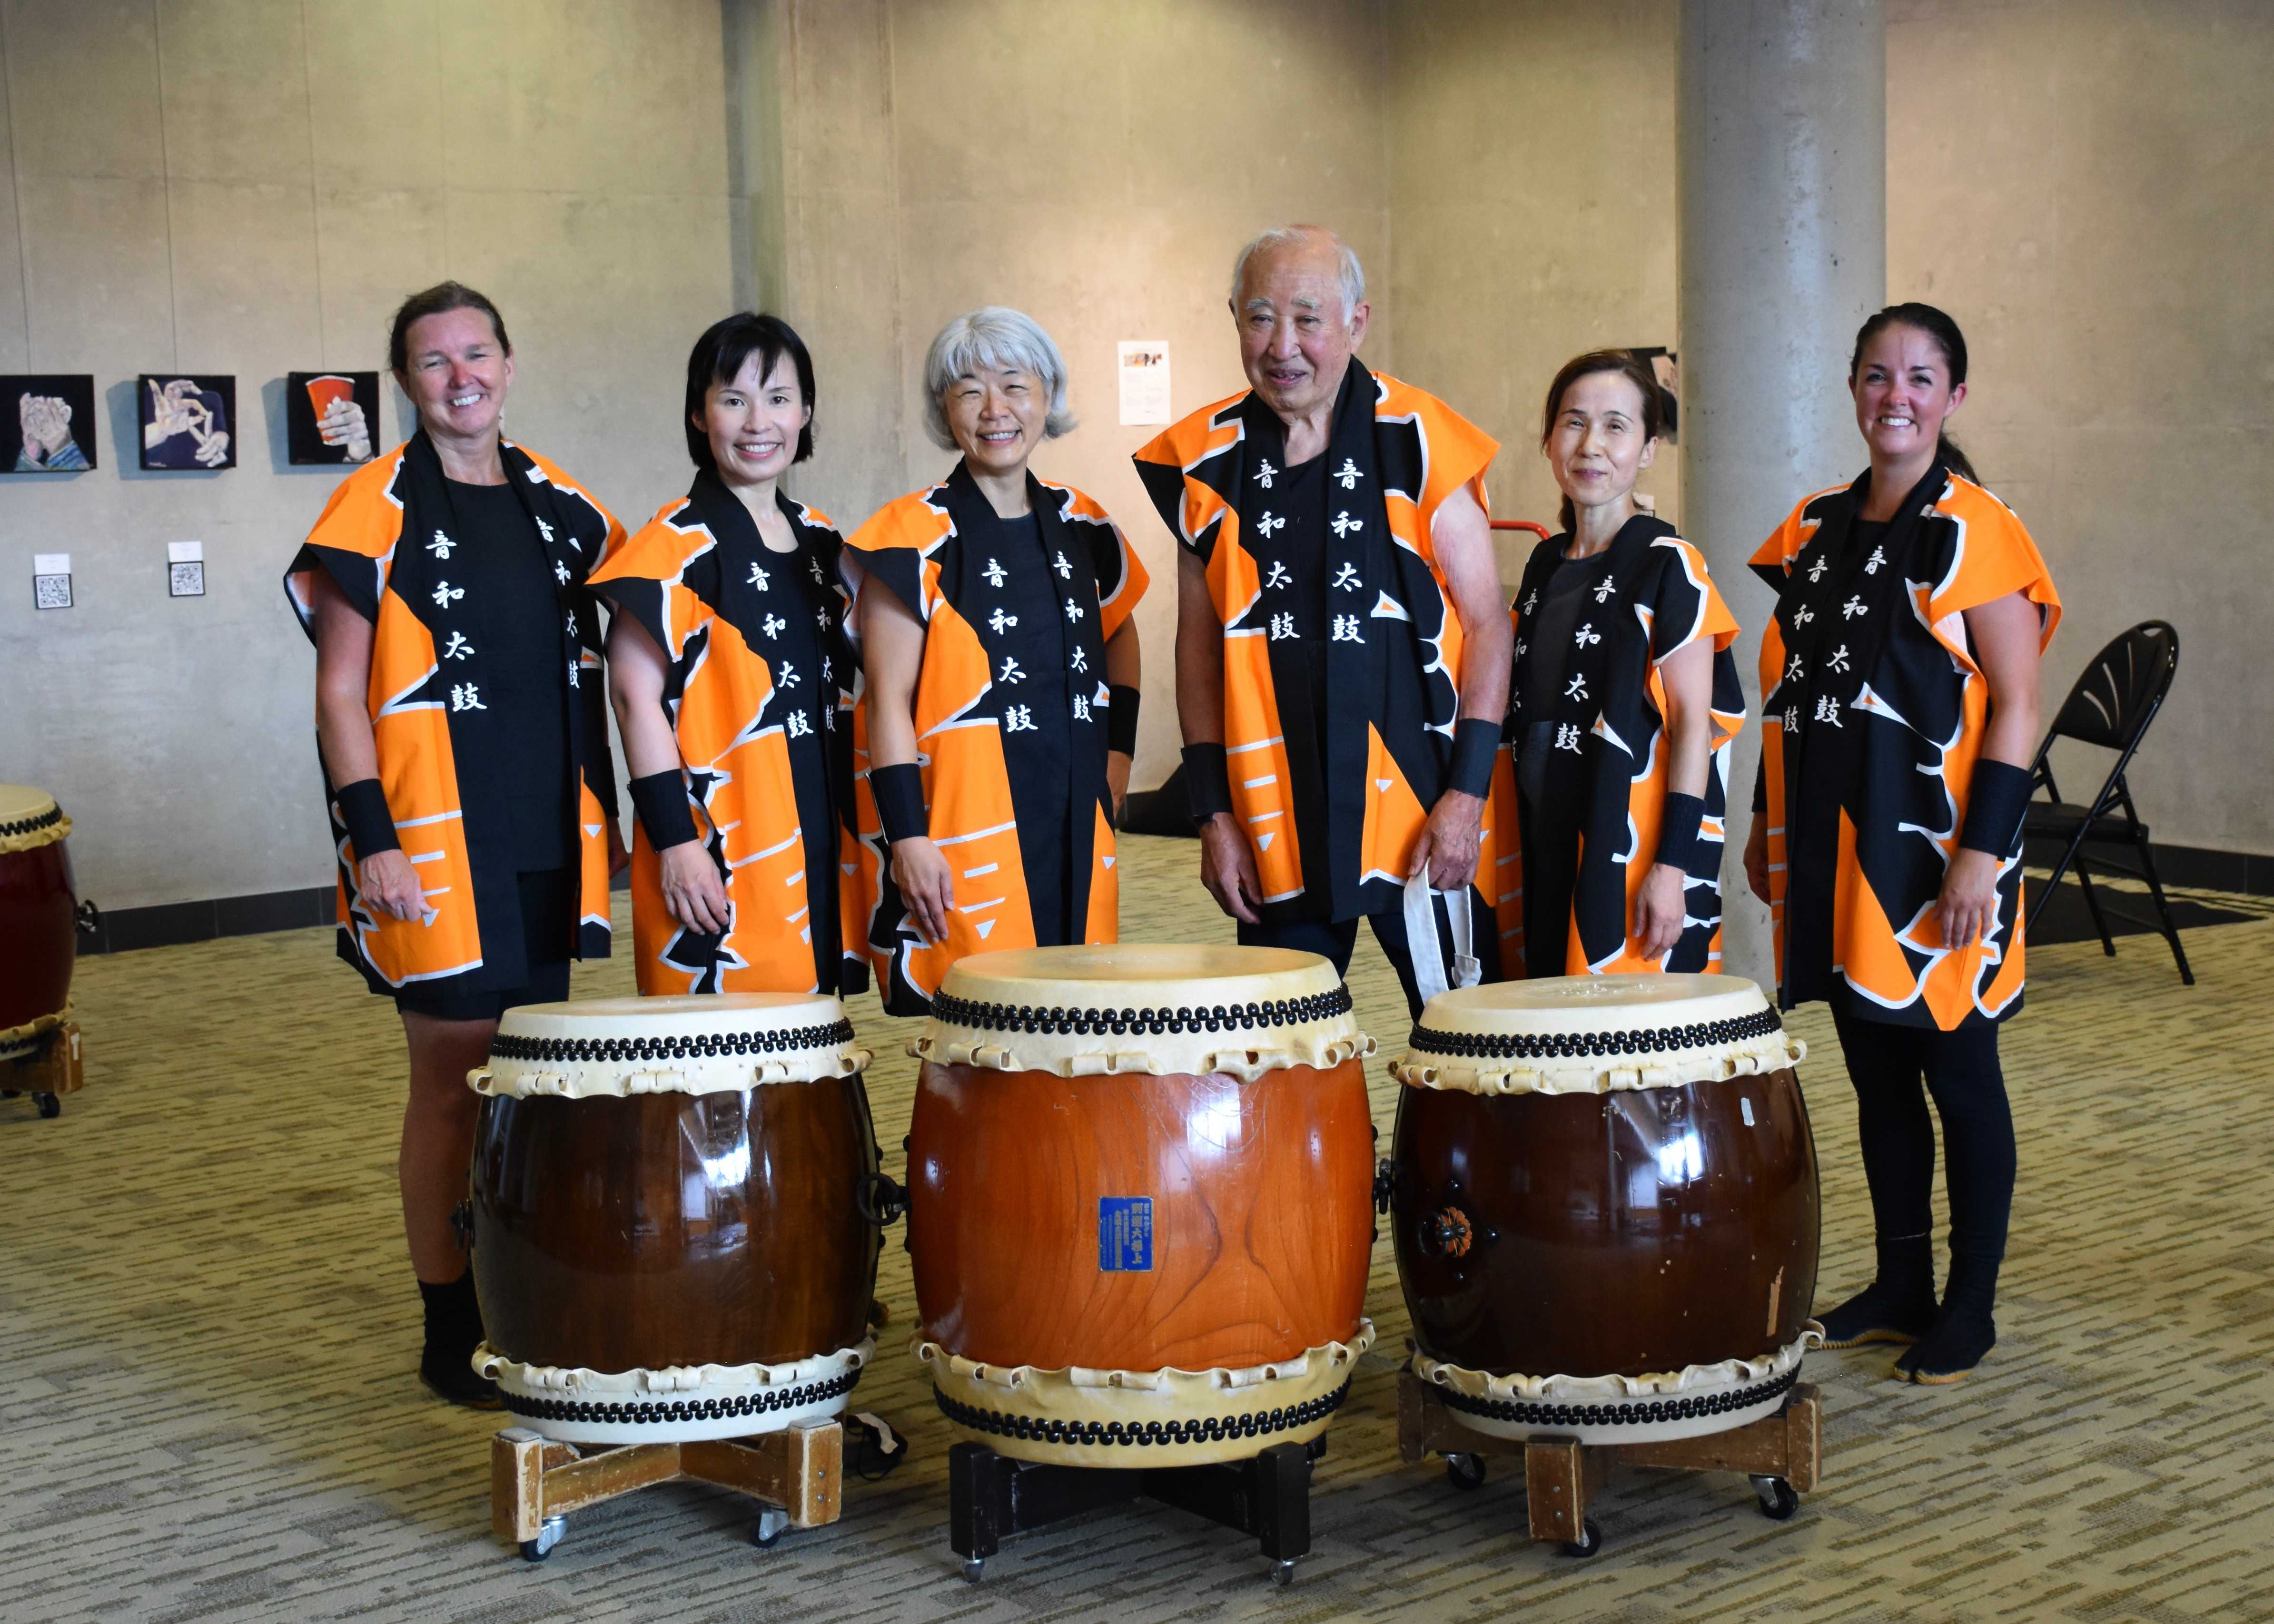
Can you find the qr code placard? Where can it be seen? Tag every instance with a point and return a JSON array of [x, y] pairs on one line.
[[187, 580], [51, 591]]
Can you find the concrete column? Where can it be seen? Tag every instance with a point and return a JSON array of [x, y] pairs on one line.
[[1782, 209]]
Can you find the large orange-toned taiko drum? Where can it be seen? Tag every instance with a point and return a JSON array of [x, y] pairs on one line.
[[1605, 1197], [37, 919], [1139, 1201], [669, 1238]]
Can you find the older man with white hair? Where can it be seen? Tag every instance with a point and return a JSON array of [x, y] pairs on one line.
[[1342, 648]]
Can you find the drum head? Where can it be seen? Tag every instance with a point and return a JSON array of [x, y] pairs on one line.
[[687, 1044], [1143, 1007], [1592, 1033], [29, 817]]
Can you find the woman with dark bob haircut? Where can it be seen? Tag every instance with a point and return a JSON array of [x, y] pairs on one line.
[[1899, 698], [732, 683], [465, 750]]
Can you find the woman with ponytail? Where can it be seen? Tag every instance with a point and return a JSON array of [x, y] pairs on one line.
[[1899, 711], [1622, 705]]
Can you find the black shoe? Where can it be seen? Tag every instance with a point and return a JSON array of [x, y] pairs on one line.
[[454, 1330], [1949, 1352], [455, 1379], [1880, 1313]]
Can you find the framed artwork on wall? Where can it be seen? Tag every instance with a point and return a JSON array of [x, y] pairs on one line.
[[55, 419], [328, 417], [189, 421]]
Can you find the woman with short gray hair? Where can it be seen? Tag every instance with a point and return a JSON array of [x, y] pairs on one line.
[[1001, 706]]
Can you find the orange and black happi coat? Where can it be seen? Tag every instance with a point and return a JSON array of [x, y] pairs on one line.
[[384, 539], [1338, 711], [1874, 712], [1599, 740], [759, 689], [997, 637]]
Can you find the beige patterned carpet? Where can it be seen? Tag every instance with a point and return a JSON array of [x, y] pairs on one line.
[[208, 1329]]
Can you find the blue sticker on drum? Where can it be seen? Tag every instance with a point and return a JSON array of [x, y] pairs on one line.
[[1124, 1233]]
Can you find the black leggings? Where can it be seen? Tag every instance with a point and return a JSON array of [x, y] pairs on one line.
[[1884, 1062]]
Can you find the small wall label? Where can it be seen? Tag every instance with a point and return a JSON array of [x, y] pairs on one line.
[[51, 582], [186, 569]]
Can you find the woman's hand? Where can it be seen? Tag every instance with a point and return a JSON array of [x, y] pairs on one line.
[[1228, 870], [1117, 783], [388, 879], [925, 884], [620, 857], [1969, 899], [1660, 910], [1757, 858], [692, 894]]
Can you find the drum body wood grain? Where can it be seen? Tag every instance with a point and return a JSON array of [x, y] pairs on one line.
[[1139, 1201], [674, 1229], [1261, 1229], [1605, 1206], [668, 1233], [1606, 1234], [39, 939]]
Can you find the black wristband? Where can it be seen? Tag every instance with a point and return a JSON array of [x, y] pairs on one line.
[[659, 800], [899, 802], [1208, 781], [1475, 743], [1677, 830], [1121, 719], [1995, 805], [371, 826]]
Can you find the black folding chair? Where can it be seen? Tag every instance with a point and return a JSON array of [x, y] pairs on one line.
[[2111, 706]]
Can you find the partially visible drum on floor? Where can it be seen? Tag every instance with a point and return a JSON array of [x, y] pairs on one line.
[[667, 1228], [39, 921], [1605, 1197], [1139, 1184]]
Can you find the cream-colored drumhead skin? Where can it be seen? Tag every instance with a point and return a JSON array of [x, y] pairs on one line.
[[1143, 1007], [29, 817], [687, 1044], [1593, 1033]]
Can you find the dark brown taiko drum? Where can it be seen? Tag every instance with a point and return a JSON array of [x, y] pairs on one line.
[[668, 1198], [37, 919], [1139, 1201], [1605, 1210]]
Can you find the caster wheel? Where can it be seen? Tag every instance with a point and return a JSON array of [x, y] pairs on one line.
[[768, 1529], [1283, 1572], [548, 1535], [50, 1107], [973, 1567], [1779, 1498], [1589, 1542], [1465, 1471]]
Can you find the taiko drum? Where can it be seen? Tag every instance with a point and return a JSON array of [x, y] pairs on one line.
[[1139, 1201], [1605, 1198], [669, 1237], [37, 919]]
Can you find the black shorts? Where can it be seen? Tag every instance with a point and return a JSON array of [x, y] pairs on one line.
[[548, 925]]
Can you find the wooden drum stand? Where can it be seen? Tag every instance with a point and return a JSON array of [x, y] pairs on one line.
[[1782, 1452], [48, 1070], [797, 1476]]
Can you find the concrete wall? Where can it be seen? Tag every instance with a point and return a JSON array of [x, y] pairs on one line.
[[1095, 165], [2084, 185], [250, 186], [1531, 201]]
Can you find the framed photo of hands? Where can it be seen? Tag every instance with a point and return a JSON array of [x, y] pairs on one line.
[[54, 415], [189, 422], [328, 417]]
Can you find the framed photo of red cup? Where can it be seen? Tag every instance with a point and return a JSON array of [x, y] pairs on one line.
[[330, 416]]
